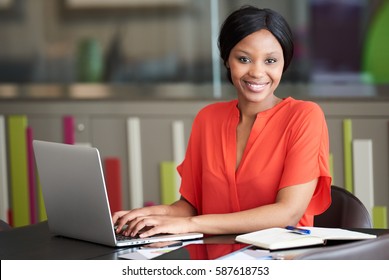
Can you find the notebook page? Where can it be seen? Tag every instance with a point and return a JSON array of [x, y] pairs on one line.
[[339, 234]]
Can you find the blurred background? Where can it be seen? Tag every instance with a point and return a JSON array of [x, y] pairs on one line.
[[148, 41], [105, 72]]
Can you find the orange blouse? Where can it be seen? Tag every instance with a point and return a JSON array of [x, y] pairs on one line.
[[288, 145]]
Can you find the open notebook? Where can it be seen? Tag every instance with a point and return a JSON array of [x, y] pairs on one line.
[[75, 196], [280, 238]]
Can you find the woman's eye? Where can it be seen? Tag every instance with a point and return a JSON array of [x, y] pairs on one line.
[[244, 59], [271, 61]]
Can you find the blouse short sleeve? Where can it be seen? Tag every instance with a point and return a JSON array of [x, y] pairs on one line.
[[308, 153], [190, 169]]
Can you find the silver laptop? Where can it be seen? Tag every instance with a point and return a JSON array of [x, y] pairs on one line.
[[75, 196]]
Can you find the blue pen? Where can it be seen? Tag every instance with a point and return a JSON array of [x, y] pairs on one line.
[[298, 230]]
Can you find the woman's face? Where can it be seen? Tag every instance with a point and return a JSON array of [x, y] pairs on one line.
[[256, 64]]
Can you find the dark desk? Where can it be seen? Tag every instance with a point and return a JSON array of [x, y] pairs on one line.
[[36, 242]]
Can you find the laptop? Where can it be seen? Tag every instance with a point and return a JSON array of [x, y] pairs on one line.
[[76, 199]]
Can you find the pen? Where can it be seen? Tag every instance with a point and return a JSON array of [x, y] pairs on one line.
[[298, 230], [179, 243]]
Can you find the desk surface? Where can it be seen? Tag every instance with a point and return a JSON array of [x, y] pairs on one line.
[[36, 242]]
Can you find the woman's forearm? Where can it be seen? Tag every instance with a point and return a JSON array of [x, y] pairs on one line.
[[181, 208], [243, 221], [290, 206]]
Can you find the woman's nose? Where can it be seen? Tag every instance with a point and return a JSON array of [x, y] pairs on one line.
[[256, 70]]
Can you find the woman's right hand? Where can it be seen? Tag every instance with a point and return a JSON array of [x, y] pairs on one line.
[[122, 218]]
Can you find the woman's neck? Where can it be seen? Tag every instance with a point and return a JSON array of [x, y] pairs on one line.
[[249, 110]]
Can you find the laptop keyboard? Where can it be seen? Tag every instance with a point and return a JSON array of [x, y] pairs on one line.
[[121, 237]]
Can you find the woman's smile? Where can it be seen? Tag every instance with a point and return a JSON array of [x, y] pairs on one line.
[[255, 86]]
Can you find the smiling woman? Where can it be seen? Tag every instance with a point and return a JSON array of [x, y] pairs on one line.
[[256, 64], [252, 163], [239, 27]]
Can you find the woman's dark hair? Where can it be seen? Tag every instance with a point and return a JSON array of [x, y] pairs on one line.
[[249, 19]]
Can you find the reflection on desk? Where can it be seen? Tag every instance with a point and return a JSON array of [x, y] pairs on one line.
[[203, 251]]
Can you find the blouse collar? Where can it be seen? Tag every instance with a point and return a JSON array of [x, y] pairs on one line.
[[267, 113]]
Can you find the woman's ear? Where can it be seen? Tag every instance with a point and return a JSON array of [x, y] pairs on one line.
[[227, 65]]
